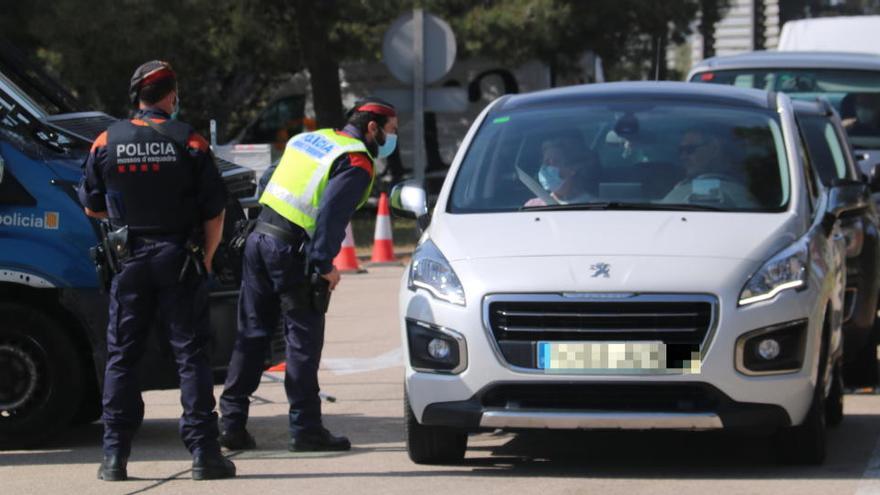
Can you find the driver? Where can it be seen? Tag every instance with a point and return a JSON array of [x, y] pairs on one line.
[[864, 122], [710, 174], [566, 171]]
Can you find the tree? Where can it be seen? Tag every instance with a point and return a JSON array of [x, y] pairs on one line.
[[233, 54], [228, 53], [627, 34]]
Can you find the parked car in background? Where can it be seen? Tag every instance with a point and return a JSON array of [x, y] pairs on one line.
[[829, 153], [849, 81], [695, 280]]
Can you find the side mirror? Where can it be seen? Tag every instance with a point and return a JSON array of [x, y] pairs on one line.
[[874, 180], [409, 200], [844, 197]]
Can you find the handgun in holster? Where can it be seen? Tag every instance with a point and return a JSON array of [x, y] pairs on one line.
[[111, 251], [319, 290]]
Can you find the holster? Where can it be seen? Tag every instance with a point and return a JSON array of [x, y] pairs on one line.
[[320, 293], [313, 293], [110, 253]]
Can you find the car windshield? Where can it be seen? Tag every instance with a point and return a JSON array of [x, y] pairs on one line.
[[625, 155], [854, 93]]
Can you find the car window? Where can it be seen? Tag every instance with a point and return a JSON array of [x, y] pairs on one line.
[[855, 94], [825, 149], [630, 153]]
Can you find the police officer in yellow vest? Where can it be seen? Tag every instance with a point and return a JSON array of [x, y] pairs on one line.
[[322, 178]]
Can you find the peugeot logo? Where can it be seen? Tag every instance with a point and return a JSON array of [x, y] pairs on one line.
[[601, 270]]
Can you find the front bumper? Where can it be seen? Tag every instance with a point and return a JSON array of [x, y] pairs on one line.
[[597, 406]]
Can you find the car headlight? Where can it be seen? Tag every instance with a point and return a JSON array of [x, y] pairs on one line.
[[785, 270], [430, 271]]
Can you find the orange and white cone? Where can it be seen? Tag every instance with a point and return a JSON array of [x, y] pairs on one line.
[[346, 261], [383, 244]]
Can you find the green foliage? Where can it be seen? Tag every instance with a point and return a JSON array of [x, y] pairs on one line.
[[232, 54], [227, 52]]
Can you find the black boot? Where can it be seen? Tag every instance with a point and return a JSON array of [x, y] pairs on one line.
[[113, 468], [318, 441], [212, 466], [237, 440]]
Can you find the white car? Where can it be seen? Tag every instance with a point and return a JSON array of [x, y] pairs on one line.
[[626, 256]]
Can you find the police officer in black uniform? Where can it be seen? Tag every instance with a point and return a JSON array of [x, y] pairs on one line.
[[156, 177]]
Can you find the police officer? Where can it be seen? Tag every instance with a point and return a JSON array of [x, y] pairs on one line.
[[157, 177], [321, 179]]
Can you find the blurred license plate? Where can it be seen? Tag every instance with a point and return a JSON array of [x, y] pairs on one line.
[[648, 355]]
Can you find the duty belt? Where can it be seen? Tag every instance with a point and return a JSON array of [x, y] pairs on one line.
[[279, 233]]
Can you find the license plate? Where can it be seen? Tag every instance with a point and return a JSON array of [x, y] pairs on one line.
[[648, 355]]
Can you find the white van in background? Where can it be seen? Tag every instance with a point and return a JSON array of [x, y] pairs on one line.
[[832, 34]]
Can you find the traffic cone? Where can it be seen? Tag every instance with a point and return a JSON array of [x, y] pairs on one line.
[[346, 261], [383, 244], [278, 367]]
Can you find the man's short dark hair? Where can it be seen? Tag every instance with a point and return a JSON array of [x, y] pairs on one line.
[[150, 94]]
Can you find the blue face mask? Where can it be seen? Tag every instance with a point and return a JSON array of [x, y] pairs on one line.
[[549, 178], [387, 148], [176, 112]]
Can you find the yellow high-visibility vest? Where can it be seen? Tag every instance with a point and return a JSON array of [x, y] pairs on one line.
[[294, 191]]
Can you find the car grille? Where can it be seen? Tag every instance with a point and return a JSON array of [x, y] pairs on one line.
[[518, 323], [596, 397]]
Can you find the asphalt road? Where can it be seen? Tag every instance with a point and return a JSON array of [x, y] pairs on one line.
[[362, 369]]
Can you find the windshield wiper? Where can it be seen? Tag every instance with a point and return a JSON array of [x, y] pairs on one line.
[[618, 205], [665, 207], [573, 206]]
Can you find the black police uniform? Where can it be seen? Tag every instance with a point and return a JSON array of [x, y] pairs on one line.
[[162, 185]]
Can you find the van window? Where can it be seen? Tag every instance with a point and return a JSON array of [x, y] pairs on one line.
[[642, 155]]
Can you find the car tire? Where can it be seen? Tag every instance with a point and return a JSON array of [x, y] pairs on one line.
[[834, 402], [806, 443], [432, 444], [41, 377]]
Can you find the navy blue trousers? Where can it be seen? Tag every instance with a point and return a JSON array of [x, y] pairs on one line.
[[273, 272], [149, 282]]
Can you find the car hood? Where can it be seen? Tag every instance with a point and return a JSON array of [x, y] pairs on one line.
[[738, 236]]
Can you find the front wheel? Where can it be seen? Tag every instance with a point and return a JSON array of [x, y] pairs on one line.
[[41, 377], [806, 443], [834, 402], [432, 444]]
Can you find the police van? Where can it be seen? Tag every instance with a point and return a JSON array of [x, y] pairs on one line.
[[53, 314], [627, 256]]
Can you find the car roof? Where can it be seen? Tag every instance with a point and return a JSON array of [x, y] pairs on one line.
[[813, 107], [647, 90], [791, 60]]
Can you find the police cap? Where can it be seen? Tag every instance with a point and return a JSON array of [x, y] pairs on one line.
[[149, 73], [372, 104]]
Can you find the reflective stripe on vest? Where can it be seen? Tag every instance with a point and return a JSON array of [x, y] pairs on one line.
[[294, 191]]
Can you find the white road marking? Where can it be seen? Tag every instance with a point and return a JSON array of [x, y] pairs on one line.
[[347, 366], [870, 482]]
